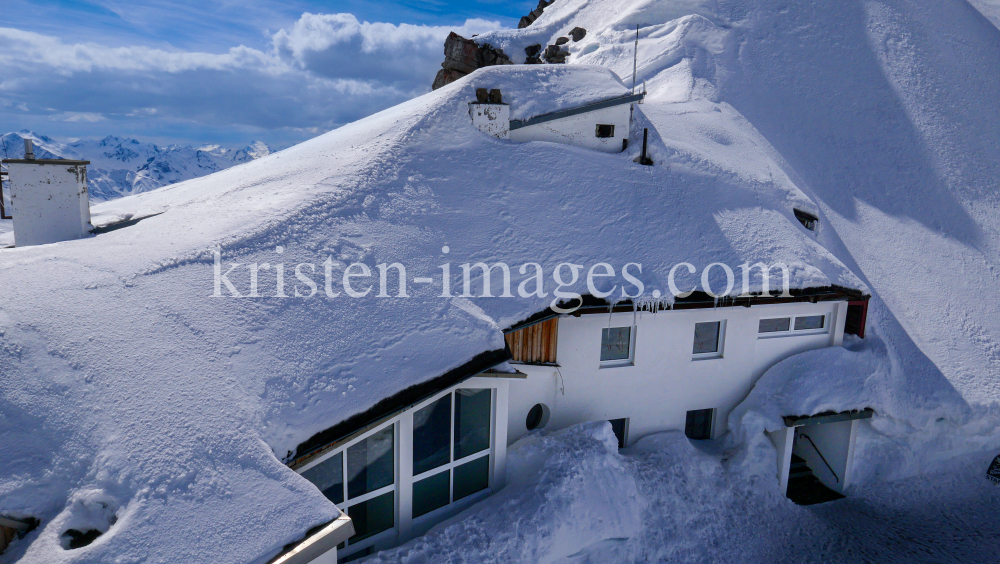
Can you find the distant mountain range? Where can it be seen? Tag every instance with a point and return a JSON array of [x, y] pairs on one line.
[[122, 166]]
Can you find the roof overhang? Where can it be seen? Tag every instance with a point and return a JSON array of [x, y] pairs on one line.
[[610, 103], [828, 417]]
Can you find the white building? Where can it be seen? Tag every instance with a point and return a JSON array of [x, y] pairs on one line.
[[49, 199], [426, 454], [601, 126]]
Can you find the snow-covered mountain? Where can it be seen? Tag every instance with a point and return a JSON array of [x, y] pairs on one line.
[[122, 166]]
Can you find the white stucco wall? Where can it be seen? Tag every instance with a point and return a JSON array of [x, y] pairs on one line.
[[581, 130], [49, 202], [491, 119], [665, 381]]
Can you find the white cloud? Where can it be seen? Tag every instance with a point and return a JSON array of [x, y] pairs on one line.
[[364, 66]]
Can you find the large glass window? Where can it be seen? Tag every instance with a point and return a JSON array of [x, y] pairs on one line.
[[431, 435], [707, 337], [464, 469], [373, 516], [616, 344], [472, 477], [431, 493], [328, 476], [472, 421], [370, 463]]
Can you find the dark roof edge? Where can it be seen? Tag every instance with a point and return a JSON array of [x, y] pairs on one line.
[[827, 417], [698, 300], [388, 407], [626, 99], [44, 161]]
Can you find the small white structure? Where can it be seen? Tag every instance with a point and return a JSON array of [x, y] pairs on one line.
[[491, 119], [601, 126], [49, 199]]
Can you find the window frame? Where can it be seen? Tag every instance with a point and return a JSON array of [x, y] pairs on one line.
[[792, 331], [454, 463], [722, 342], [617, 363], [403, 478]]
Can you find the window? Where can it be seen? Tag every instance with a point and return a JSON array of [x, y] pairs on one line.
[[708, 339], [451, 448], [368, 495], [791, 325], [774, 325], [699, 424], [328, 476], [616, 346], [620, 428], [604, 131], [809, 322]]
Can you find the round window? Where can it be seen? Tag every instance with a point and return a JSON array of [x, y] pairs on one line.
[[538, 417]]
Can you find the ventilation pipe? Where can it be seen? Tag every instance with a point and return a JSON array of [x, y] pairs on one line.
[[29, 150]]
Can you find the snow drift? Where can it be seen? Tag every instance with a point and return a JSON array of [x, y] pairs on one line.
[[126, 384]]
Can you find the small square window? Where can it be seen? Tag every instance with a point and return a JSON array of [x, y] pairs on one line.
[[699, 424], [809, 322], [604, 131], [616, 344], [774, 325], [707, 337]]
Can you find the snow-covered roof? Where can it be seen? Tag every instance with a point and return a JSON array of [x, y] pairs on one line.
[[139, 388]]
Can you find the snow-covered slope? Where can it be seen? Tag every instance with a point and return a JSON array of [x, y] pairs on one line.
[[122, 166], [125, 383]]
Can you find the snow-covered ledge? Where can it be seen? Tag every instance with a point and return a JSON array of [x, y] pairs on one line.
[[320, 548]]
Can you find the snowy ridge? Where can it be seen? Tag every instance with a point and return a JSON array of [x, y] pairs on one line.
[[145, 393], [122, 166]]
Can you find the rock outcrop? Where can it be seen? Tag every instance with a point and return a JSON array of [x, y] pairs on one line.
[[462, 56], [530, 18]]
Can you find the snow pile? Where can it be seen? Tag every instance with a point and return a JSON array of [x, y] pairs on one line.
[[574, 499]]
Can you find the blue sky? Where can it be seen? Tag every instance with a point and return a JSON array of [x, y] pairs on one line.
[[226, 72]]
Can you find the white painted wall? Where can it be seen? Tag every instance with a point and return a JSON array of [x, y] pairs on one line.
[[664, 381], [491, 119], [580, 130], [49, 202], [783, 440]]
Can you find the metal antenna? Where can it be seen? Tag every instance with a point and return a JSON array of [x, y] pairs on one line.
[[635, 56]]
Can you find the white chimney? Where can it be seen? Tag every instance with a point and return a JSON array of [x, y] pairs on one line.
[[49, 200]]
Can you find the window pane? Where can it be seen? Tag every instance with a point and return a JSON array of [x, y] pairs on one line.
[[699, 424], [472, 477], [431, 435], [810, 322], [615, 343], [706, 337], [472, 421], [774, 325], [328, 476], [370, 464], [430, 493], [373, 516]]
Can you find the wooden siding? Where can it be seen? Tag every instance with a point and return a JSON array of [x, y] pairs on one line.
[[535, 344]]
